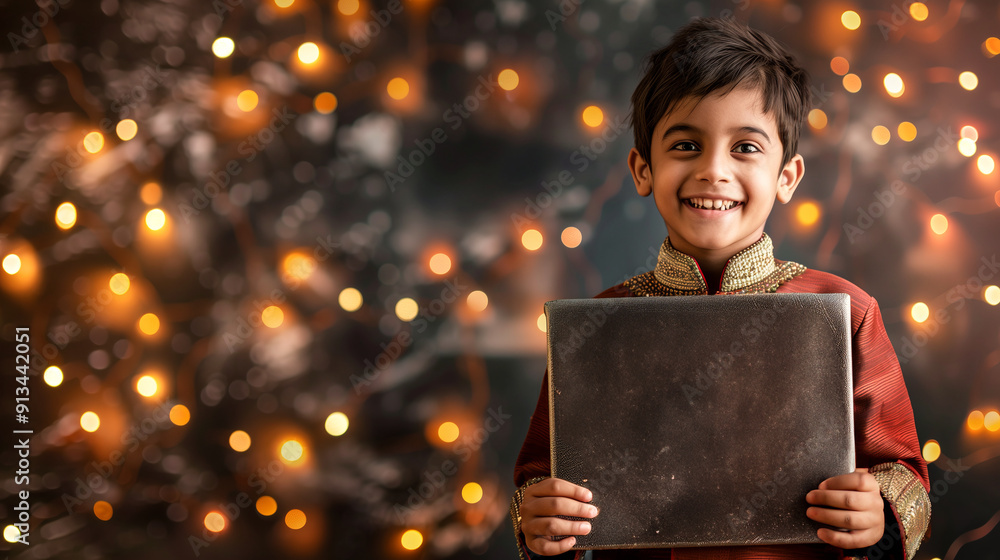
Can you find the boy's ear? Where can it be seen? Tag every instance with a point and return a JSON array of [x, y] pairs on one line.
[[789, 178], [642, 174]]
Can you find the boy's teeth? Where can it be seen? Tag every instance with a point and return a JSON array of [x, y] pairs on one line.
[[713, 204]]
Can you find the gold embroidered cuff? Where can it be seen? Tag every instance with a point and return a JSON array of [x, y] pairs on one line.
[[904, 491], [515, 513]]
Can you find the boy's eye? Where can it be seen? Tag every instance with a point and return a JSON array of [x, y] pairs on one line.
[[679, 145], [754, 148]]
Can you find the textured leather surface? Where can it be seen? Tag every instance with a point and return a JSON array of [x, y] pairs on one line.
[[699, 421]]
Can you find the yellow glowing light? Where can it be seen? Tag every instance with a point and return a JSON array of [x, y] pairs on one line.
[[531, 239], [90, 421], [11, 534], [149, 323], [93, 142], [350, 299], [968, 80], [850, 19], [336, 424], [880, 135], [508, 79], [325, 103], [299, 265], [593, 116], [126, 129], [440, 263], [11, 264], [969, 131], [398, 88], [571, 237], [932, 450], [308, 52], [119, 283], [840, 65], [156, 219], [53, 376], [991, 295], [66, 215], [272, 316], [967, 147], [103, 510], [807, 213], [223, 47], [472, 492], [348, 7], [146, 386], [992, 421], [151, 193], [448, 432], [283, 3], [215, 522], [295, 519], [180, 415], [975, 420], [907, 131], [939, 223], [406, 309], [852, 83], [893, 84], [247, 100], [266, 505], [542, 323], [477, 300], [991, 46], [239, 441], [817, 119], [291, 451], [919, 11], [985, 164], [920, 312], [411, 539]]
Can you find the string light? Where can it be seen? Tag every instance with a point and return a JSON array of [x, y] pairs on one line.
[[156, 219], [850, 19], [295, 519], [932, 450], [477, 300], [920, 312], [66, 215], [472, 492], [508, 79], [126, 129], [223, 47], [411, 539], [215, 522], [291, 451], [119, 283], [398, 88], [336, 424], [272, 316], [448, 432], [103, 510], [180, 415], [266, 506], [350, 299], [308, 52], [239, 441], [406, 309], [89, 421], [593, 116], [149, 324], [53, 376], [93, 142], [531, 239], [939, 224]]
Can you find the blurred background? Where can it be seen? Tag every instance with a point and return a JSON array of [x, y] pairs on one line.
[[280, 264]]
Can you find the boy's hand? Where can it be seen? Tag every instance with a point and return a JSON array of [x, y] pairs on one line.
[[858, 506], [547, 499]]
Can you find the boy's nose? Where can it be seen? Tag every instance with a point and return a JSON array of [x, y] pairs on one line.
[[713, 167]]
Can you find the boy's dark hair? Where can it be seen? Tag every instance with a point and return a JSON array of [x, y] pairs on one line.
[[710, 54]]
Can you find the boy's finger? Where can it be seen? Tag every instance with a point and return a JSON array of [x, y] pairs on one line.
[[845, 499], [547, 547], [559, 506], [560, 487], [554, 526], [861, 481], [844, 519]]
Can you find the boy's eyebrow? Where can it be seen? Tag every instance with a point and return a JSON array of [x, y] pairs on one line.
[[684, 127]]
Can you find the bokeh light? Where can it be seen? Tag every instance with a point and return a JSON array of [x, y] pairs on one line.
[[448, 432], [906, 131], [180, 415], [893, 84], [272, 316], [239, 441], [508, 79], [991, 421], [571, 237], [991, 294], [266, 506], [295, 519], [852, 83], [11, 533], [542, 323], [12, 264], [146, 386], [967, 147], [881, 135], [850, 19], [247, 100], [350, 299], [472, 492], [66, 215], [53, 376], [103, 510], [817, 119], [975, 420], [531, 239], [119, 283], [920, 312], [807, 213], [411, 539], [156, 219], [477, 300], [223, 47], [126, 129], [968, 80], [939, 223], [986, 164], [90, 421], [398, 88], [593, 116], [931, 451], [918, 10], [336, 424], [840, 65], [308, 52], [149, 324], [93, 142], [325, 103], [292, 451], [215, 522], [406, 309], [440, 263]]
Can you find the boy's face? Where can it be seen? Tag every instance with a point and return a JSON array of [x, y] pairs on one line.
[[723, 148]]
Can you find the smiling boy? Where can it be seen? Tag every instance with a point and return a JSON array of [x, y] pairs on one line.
[[716, 120]]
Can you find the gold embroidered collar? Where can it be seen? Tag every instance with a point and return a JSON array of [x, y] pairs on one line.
[[752, 270]]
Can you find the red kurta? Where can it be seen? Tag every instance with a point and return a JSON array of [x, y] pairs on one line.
[[883, 420]]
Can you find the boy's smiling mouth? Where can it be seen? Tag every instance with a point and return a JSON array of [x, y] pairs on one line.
[[717, 204]]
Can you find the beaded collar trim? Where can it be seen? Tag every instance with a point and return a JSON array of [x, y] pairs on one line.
[[752, 270]]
